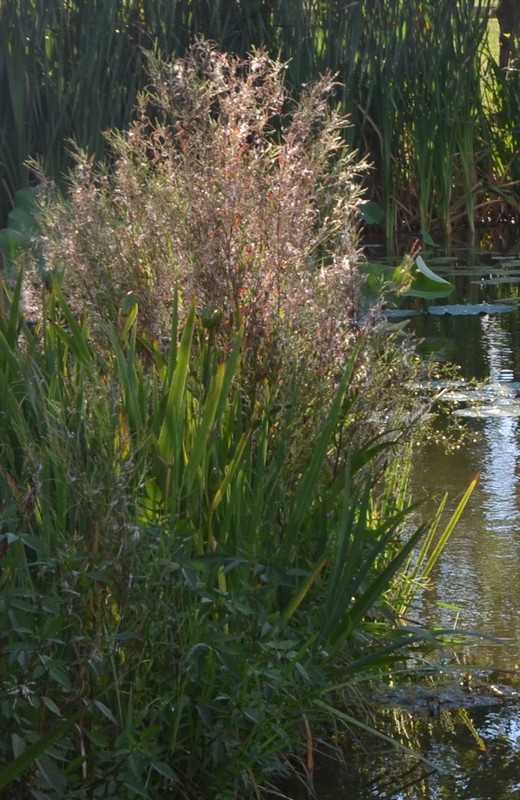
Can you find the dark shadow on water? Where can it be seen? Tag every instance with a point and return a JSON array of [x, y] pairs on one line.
[[469, 754]]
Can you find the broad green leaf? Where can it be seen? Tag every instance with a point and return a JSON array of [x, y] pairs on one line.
[[105, 711], [26, 759], [11, 242], [22, 221], [165, 770], [426, 283]]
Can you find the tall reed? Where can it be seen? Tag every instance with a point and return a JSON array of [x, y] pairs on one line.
[[410, 75]]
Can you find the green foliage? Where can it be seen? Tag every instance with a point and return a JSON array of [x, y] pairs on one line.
[[48, 77], [200, 530], [414, 279], [418, 569], [169, 581], [244, 202]]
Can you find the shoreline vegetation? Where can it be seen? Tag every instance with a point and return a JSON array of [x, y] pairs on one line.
[[207, 547]]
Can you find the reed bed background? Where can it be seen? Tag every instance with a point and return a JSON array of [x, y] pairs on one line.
[[412, 75]]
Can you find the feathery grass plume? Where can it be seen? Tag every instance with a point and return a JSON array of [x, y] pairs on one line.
[[244, 201]]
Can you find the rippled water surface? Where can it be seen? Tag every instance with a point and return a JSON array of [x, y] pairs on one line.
[[476, 585], [480, 571]]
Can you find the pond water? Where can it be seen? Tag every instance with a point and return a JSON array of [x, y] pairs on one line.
[[479, 573], [473, 753]]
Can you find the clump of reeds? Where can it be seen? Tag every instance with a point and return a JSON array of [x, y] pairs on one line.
[[179, 596], [411, 83]]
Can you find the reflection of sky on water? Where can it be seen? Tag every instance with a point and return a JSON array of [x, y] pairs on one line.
[[497, 349], [480, 573], [501, 450], [480, 570], [498, 475]]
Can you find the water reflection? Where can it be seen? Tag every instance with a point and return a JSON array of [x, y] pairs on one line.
[[476, 586], [480, 571], [470, 757]]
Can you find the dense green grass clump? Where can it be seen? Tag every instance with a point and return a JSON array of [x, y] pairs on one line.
[[171, 586], [200, 528]]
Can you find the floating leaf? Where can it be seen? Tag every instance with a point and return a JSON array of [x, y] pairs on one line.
[[497, 281], [490, 412], [394, 313], [476, 272], [442, 261], [470, 309], [506, 261]]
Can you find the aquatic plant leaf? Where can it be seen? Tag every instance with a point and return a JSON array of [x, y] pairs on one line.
[[476, 272], [442, 261], [470, 309], [504, 411], [498, 281], [496, 392], [22, 221], [371, 212], [428, 284], [391, 313], [11, 242], [506, 261], [428, 294], [426, 238]]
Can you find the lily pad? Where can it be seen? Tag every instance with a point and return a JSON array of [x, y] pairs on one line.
[[470, 309], [483, 395], [507, 260], [490, 412], [475, 272], [497, 281], [399, 313]]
